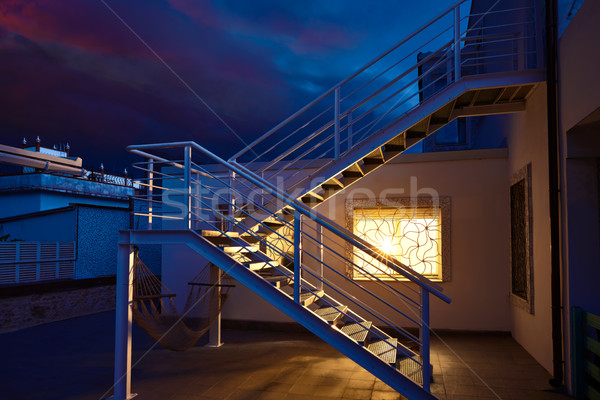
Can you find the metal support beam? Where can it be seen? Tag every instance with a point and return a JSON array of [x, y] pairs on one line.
[[123, 323], [214, 334]]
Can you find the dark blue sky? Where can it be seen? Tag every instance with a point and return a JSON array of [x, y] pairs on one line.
[[72, 71]]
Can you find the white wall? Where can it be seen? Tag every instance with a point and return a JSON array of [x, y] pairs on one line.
[[478, 188], [527, 143], [579, 88], [477, 183]]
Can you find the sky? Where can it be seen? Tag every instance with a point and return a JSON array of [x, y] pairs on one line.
[[101, 75], [104, 74]]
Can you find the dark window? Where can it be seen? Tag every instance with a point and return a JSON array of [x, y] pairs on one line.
[[519, 239]]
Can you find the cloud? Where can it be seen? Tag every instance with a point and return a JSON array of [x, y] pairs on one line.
[[72, 71]]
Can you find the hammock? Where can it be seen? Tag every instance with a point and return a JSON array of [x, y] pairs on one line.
[[155, 310]]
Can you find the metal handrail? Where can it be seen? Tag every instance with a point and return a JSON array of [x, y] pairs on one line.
[[340, 84], [342, 292], [320, 135], [341, 232]]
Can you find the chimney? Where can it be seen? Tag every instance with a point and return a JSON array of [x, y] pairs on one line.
[[37, 144], [68, 149], [24, 143]]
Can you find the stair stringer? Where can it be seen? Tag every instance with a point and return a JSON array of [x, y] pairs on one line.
[[305, 184], [285, 304]]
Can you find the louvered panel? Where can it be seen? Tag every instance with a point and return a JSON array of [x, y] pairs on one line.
[[66, 269], [27, 272], [7, 273], [32, 261], [48, 270], [28, 251], [8, 252], [66, 250], [48, 251]]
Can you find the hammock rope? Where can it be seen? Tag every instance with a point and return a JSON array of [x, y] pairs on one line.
[[155, 308]]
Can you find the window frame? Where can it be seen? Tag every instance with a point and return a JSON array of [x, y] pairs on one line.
[[444, 204], [526, 304]]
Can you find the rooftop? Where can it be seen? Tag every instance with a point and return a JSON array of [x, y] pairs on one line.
[[73, 359]]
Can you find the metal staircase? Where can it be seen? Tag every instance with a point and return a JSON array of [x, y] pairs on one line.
[[295, 260], [252, 216], [463, 63]]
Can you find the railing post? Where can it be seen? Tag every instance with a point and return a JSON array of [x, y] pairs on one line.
[[297, 245], [320, 241], [150, 191], [197, 209], [336, 133], [350, 130], [457, 43], [123, 323], [231, 182], [424, 336], [187, 164]]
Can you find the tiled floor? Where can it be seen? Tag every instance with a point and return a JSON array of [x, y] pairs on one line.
[[73, 360]]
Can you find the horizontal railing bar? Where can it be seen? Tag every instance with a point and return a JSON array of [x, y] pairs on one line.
[[360, 70], [332, 226], [314, 240]]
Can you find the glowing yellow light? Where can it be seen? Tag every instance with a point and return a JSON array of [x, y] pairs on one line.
[[386, 245]]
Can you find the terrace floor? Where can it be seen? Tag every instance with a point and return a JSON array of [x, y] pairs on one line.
[[73, 359]]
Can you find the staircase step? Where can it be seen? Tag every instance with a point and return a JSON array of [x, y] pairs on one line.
[[438, 120], [209, 233], [411, 368], [250, 239], [274, 224], [357, 331], [240, 249], [331, 314], [351, 176], [385, 349], [415, 134], [329, 186], [373, 161], [307, 298], [311, 199], [269, 228], [393, 148], [260, 265], [278, 281], [219, 239]]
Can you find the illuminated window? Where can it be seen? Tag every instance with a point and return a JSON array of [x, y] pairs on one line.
[[413, 234]]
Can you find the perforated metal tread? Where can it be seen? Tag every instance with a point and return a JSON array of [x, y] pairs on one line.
[[240, 249], [385, 349], [357, 331], [410, 367], [209, 233], [307, 298], [331, 314]]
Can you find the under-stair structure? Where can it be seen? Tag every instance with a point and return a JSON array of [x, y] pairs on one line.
[[252, 216]]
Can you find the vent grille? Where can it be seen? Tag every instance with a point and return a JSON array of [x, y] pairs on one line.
[[36, 261]]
